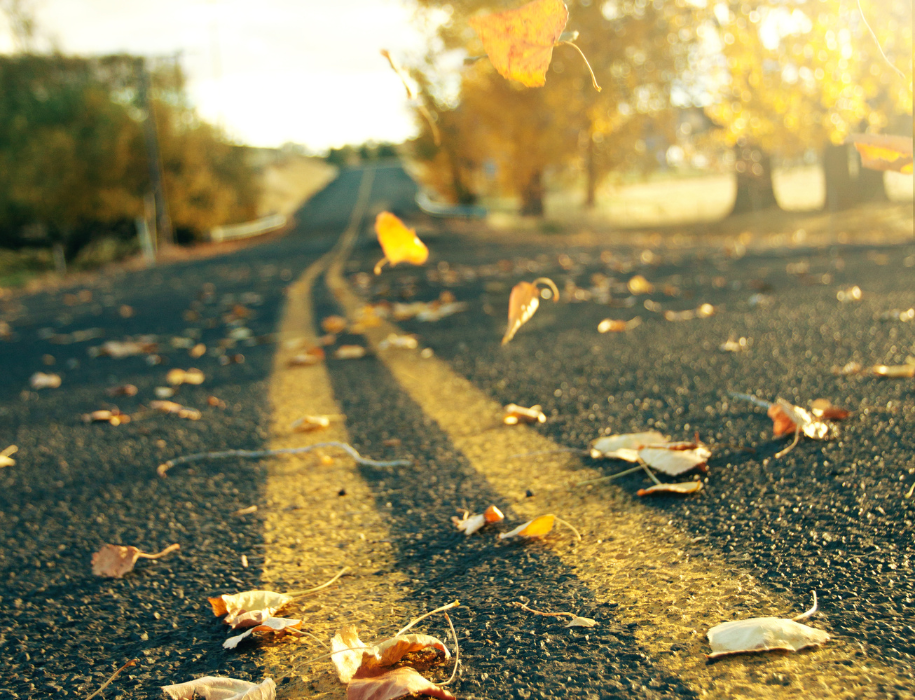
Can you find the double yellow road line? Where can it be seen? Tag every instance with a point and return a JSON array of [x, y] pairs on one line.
[[670, 588]]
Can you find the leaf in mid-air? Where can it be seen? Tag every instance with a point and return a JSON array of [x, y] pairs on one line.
[[399, 243], [884, 152], [520, 42], [523, 302]]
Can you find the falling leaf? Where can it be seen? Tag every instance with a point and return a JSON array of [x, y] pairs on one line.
[[824, 408], [334, 324], [114, 560], [609, 325], [249, 608], [399, 243], [350, 352], [640, 285], [177, 377], [520, 42], [177, 409], [787, 419], [538, 527], [360, 658], [683, 488], [395, 683], [515, 414], [40, 380], [6, 459], [471, 523], [625, 446], [277, 625], [884, 152], [674, 460], [219, 688], [523, 302]]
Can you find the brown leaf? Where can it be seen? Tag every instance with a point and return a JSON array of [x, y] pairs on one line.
[[520, 42], [119, 349], [523, 302], [123, 390], [219, 688], [307, 358], [175, 408], [824, 408], [787, 419], [278, 626], [682, 488], [114, 560], [333, 324], [674, 459], [113, 416], [395, 683]]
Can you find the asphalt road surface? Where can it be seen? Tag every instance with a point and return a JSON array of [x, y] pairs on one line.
[[836, 516]]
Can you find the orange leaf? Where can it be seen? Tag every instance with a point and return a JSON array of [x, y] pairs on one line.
[[782, 423], [399, 243], [523, 302], [538, 527], [884, 152], [520, 42], [824, 408], [396, 683], [681, 488]]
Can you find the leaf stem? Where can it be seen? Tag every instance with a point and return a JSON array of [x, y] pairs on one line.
[[585, 59], [809, 613], [570, 526], [323, 585], [413, 622], [132, 662], [545, 614], [797, 436], [457, 652], [167, 550], [608, 478]]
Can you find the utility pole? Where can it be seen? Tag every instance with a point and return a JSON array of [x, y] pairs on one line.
[[156, 178]]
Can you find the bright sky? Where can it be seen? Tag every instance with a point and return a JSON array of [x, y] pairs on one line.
[[269, 71]]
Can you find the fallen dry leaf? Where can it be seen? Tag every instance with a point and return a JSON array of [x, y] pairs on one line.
[[849, 295], [471, 523], [246, 511], [895, 371], [538, 527], [399, 243], [884, 151], [6, 459], [177, 409], [515, 414], [788, 419], [731, 345], [40, 380], [114, 560], [350, 352], [609, 325], [113, 416], [123, 390], [220, 688], [334, 324], [523, 302], [307, 424], [353, 657], [199, 350], [307, 358], [177, 377], [703, 311], [824, 408], [395, 683], [119, 349], [674, 459], [405, 342], [520, 42], [276, 625], [249, 608], [640, 285], [685, 487], [625, 446]]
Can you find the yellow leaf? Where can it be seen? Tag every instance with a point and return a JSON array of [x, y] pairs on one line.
[[884, 152], [523, 302], [520, 42], [538, 527], [399, 243]]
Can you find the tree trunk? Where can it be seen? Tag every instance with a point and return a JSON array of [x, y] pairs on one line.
[[532, 196], [841, 192], [754, 180]]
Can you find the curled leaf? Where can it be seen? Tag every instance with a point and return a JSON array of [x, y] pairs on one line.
[[764, 634], [219, 688], [523, 302], [625, 446], [787, 419], [685, 487], [250, 608], [471, 523], [399, 243], [276, 625], [353, 657], [824, 408], [520, 42], [515, 414], [538, 527], [674, 459]]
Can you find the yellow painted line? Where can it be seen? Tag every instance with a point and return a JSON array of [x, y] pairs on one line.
[[310, 531], [672, 590]]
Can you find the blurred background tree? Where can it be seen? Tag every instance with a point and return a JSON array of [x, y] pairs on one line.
[[798, 76]]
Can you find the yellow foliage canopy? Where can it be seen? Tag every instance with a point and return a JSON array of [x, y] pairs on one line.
[[520, 42]]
